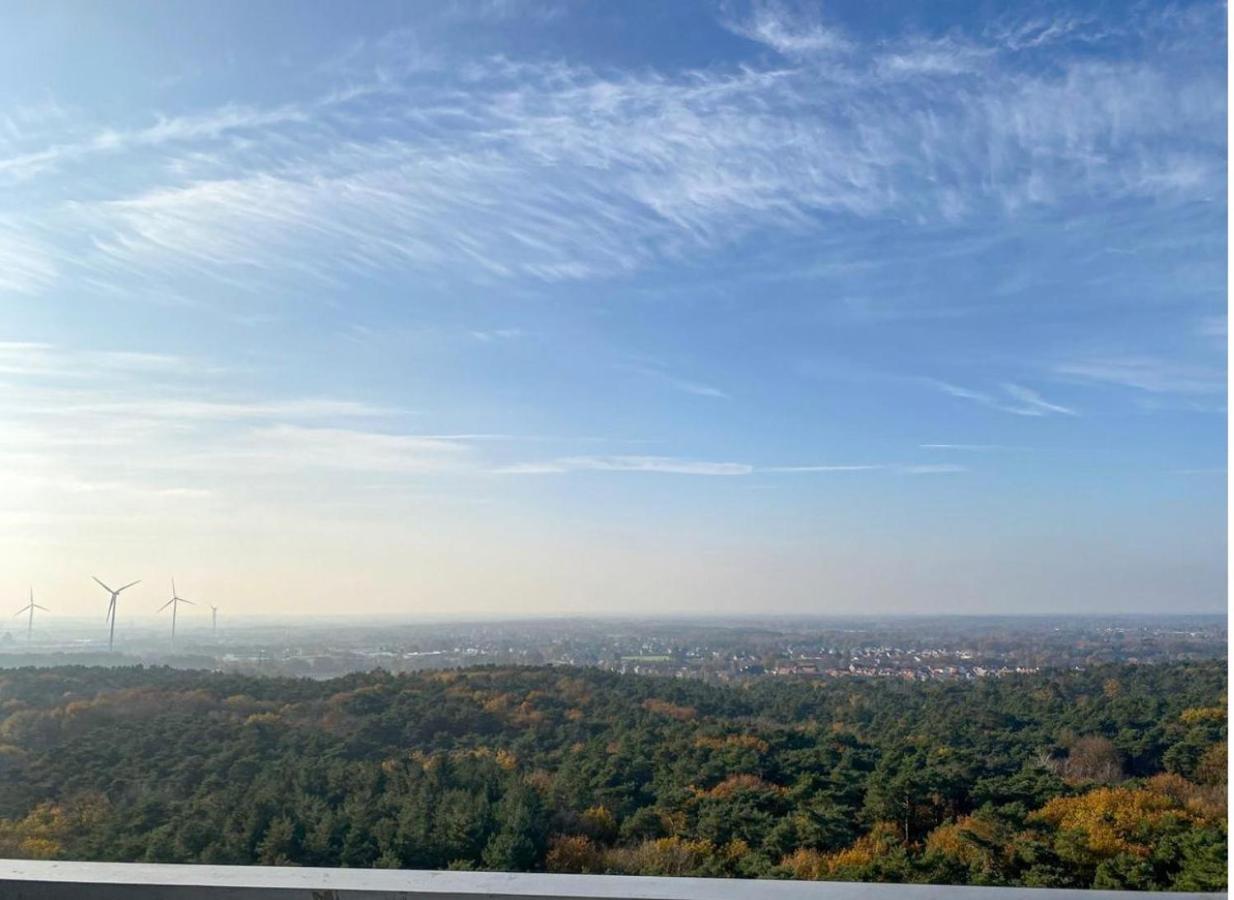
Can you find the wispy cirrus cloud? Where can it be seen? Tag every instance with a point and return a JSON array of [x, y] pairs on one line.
[[117, 423], [933, 469], [27, 265], [793, 32], [937, 57], [1214, 327], [601, 174], [220, 410], [1144, 373], [36, 359], [684, 385], [365, 451], [1032, 403], [494, 335], [667, 465], [1009, 398], [965, 447], [183, 129], [664, 465]]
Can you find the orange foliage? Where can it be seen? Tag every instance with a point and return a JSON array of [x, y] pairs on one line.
[[599, 822], [573, 853], [498, 703], [812, 865], [1213, 767], [1202, 714], [663, 856], [526, 714], [743, 782], [541, 780], [1114, 820], [574, 690], [43, 832], [506, 760], [967, 841], [663, 707], [743, 741], [881, 839], [805, 865], [1206, 802], [266, 718]]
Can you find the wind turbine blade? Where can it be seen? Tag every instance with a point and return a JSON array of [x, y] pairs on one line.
[[105, 587], [173, 587], [189, 602], [129, 585], [165, 605], [20, 611], [43, 608]]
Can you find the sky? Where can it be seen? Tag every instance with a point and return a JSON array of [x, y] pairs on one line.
[[527, 308]]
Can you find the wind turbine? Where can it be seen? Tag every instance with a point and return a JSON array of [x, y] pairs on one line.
[[30, 608], [214, 620], [111, 607], [174, 603]]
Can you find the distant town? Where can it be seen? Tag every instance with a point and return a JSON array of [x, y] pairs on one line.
[[715, 650]]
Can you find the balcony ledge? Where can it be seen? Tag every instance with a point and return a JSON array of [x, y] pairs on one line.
[[44, 880]]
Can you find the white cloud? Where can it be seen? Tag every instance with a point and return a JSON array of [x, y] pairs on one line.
[[547, 171], [653, 464], [964, 447], [934, 57], [1033, 401], [170, 408], [1014, 399], [34, 359], [497, 334], [1145, 373], [676, 466], [209, 125], [298, 447], [685, 385], [1214, 326], [697, 389], [860, 467], [792, 32], [1030, 33], [27, 266]]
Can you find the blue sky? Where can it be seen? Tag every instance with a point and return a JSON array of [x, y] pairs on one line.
[[557, 307]]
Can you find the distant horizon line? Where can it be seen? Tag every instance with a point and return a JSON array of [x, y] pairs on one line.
[[301, 618]]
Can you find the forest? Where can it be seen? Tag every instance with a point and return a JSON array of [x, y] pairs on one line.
[[1113, 777]]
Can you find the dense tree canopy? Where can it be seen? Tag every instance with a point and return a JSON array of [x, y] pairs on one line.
[[1113, 777]]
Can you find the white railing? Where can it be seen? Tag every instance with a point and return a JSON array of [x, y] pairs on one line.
[[53, 880]]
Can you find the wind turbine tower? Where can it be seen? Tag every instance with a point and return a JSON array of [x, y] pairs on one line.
[[30, 608], [214, 621], [111, 607], [174, 603]]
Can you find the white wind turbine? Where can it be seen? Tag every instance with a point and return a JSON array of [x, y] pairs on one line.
[[111, 607], [30, 608], [174, 603]]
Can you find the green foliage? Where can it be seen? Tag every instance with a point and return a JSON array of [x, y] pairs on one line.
[[1040, 780]]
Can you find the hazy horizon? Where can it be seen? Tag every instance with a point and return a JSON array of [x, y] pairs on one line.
[[531, 308], [47, 621]]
